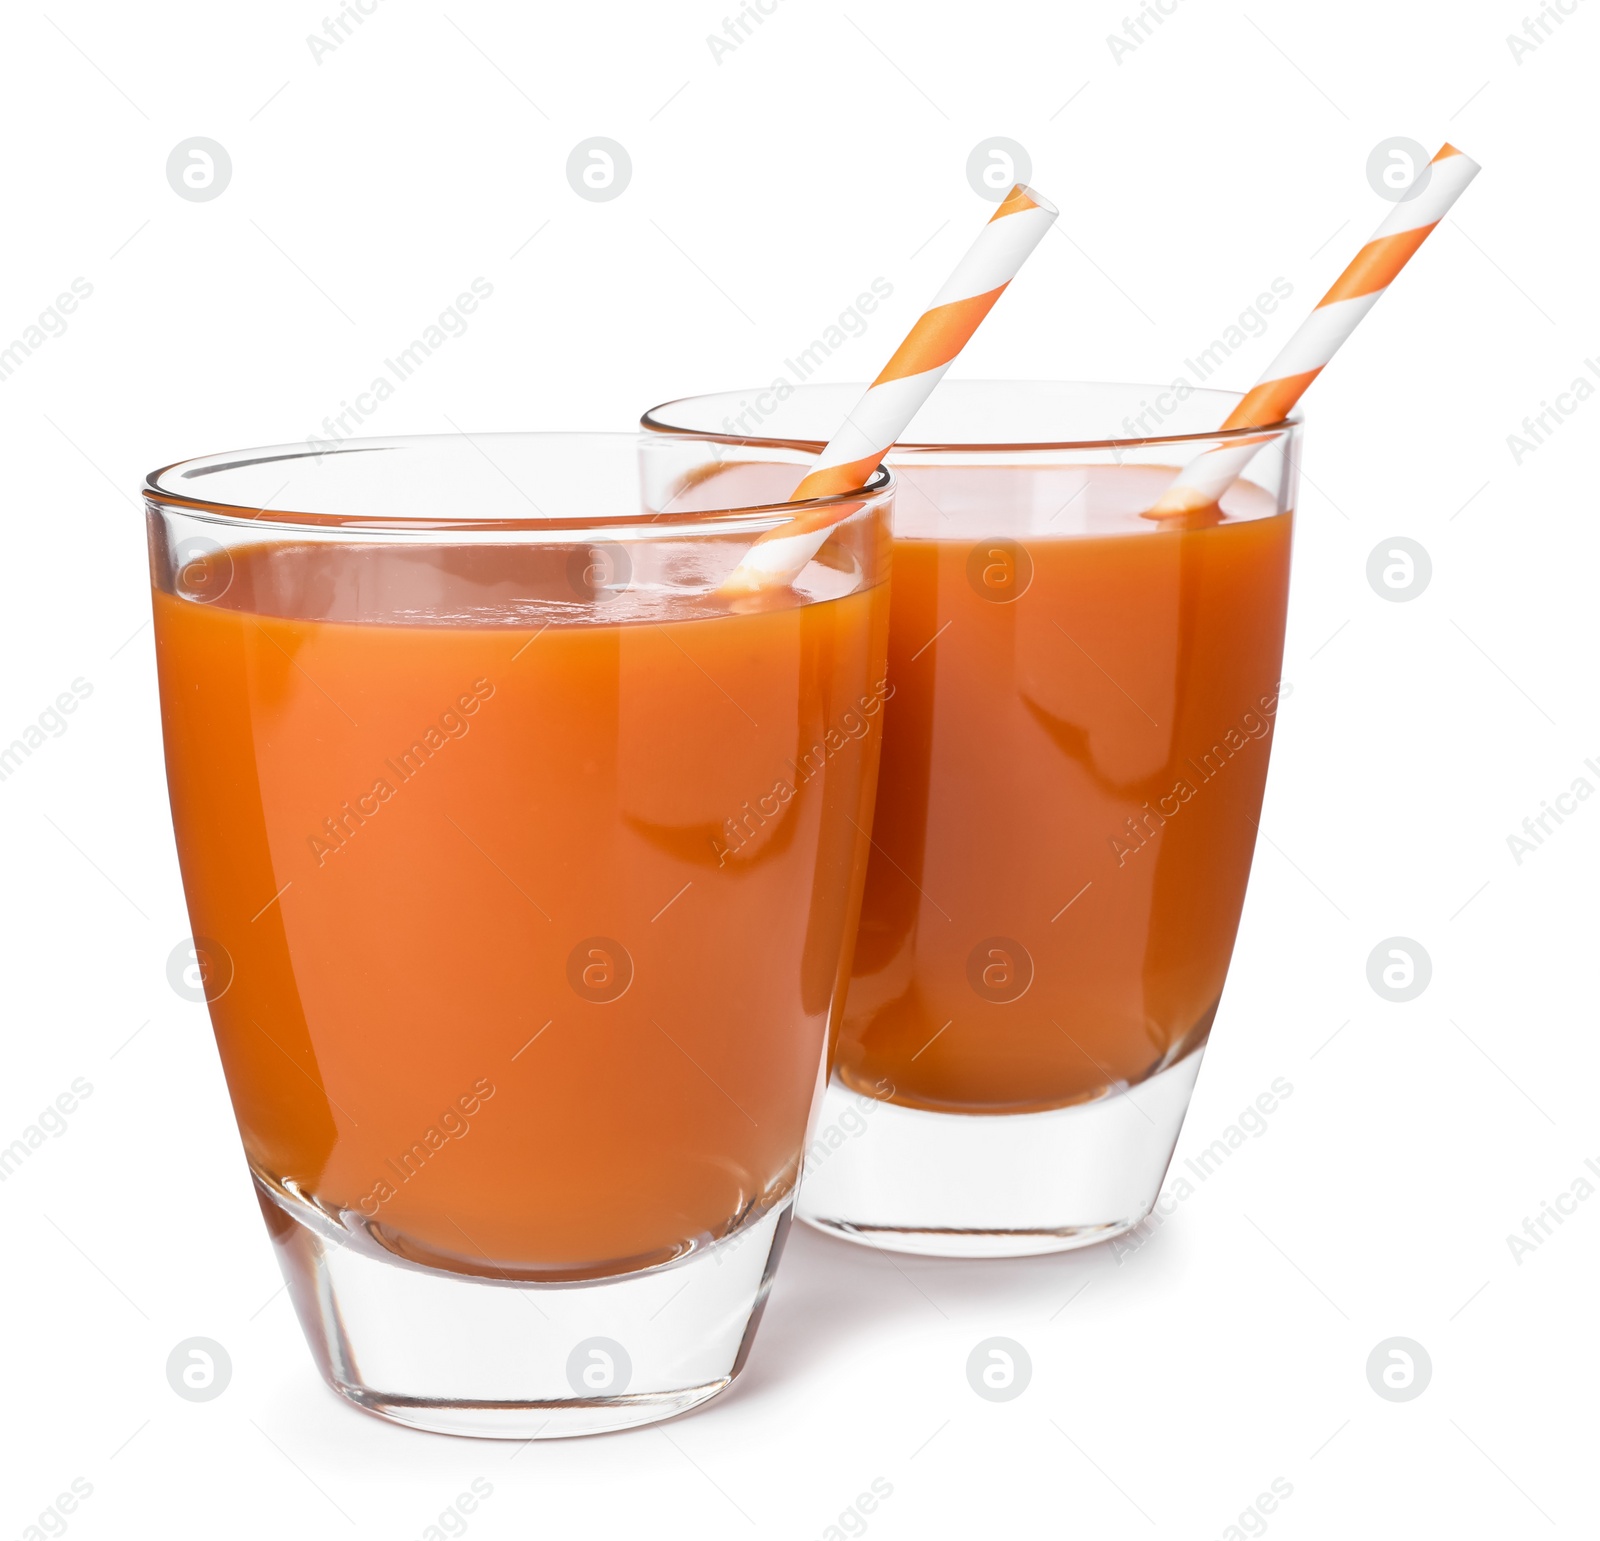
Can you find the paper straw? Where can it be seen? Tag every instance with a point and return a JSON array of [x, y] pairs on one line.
[[1337, 315], [892, 400]]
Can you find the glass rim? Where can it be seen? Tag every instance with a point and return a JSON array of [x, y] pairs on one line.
[[652, 424], [737, 519]]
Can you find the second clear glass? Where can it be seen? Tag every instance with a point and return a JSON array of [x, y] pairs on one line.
[[1075, 752]]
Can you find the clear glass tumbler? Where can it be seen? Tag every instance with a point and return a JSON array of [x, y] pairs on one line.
[[523, 869], [1080, 704]]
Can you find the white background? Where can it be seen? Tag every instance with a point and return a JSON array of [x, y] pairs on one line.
[[1171, 1384]]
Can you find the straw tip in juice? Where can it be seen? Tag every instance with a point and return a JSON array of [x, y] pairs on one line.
[[751, 598], [1178, 501], [751, 588]]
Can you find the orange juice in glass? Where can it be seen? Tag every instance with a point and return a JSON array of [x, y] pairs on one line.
[[1076, 737], [523, 872]]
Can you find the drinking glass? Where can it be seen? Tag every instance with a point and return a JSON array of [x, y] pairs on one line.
[[522, 868], [1076, 734]]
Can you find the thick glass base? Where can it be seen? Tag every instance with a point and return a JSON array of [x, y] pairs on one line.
[[499, 1359], [1003, 1185]]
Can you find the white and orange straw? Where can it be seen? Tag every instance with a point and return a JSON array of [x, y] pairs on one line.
[[892, 400], [1337, 315]]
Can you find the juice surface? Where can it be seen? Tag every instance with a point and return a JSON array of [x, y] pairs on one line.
[[523, 939], [1074, 758]]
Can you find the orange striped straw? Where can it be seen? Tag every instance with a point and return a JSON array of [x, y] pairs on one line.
[[1337, 315], [892, 400]]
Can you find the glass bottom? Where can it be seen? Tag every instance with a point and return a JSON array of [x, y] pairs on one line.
[[499, 1359], [1006, 1185]]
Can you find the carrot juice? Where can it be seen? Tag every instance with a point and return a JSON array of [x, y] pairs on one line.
[[1075, 752], [522, 934]]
